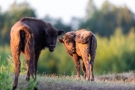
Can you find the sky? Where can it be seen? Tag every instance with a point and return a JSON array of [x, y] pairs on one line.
[[65, 9]]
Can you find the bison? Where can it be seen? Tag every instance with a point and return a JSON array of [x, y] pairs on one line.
[[81, 44], [29, 36]]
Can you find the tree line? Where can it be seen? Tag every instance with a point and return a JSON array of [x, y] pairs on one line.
[[102, 21]]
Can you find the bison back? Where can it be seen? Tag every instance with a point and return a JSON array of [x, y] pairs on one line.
[[83, 36]]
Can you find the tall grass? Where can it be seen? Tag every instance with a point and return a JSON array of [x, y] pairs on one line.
[[5, 76]]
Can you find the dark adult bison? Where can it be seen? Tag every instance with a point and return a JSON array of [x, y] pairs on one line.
[[30, 36], [81, 44]]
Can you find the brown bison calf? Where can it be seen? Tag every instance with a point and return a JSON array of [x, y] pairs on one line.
[[81, 44], [30, 36]]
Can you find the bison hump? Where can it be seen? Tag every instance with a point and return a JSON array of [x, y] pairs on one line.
[[83, 37]]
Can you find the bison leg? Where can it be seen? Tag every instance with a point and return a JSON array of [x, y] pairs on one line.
[[77, 64], [17, 65], [91, 71], [84, 70], [29, 55], [36, 62], [87, 66], [35, 67], [84, 50], [30, 67], [91, 67], [28, 72], [86, 63]]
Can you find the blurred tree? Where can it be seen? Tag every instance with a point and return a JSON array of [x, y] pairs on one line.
[[58, 23], [12, 15], [90, 9], [106, 20], [75, 23]]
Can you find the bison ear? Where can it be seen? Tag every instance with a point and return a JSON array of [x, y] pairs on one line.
[[60, 40], [60, 32]]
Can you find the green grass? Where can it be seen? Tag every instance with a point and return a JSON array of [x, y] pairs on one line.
[[5, 76], [115, 54]]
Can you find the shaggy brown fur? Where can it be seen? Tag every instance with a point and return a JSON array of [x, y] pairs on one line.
[[81, 44], [30, 36]]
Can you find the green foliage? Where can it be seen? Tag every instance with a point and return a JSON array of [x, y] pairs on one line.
[[12, 15], [57, 62], [57, 23], [6, 71], [32, 85], [105, 20], [5, 76], [4, 52], [116, 54]]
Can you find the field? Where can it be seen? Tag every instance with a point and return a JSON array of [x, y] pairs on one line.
[[123, 81], [114, 56], [105, 82]]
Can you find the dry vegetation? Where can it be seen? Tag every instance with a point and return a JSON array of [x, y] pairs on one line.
[[123, 81]]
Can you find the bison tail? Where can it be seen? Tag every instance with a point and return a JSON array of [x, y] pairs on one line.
[[93, 44], [29, 47], [29, 42], [29, 53], [93, 47]]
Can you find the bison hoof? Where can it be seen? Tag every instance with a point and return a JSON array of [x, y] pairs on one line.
[[87, 79], [92, 79], [27, 79], [14, 87], [84, 76], [78, 78]]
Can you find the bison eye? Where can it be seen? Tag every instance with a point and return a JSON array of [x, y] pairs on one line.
[[41, 32], [67, 43]]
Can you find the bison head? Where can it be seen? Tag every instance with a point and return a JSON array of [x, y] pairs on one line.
[[51, 37], [68, 41]]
